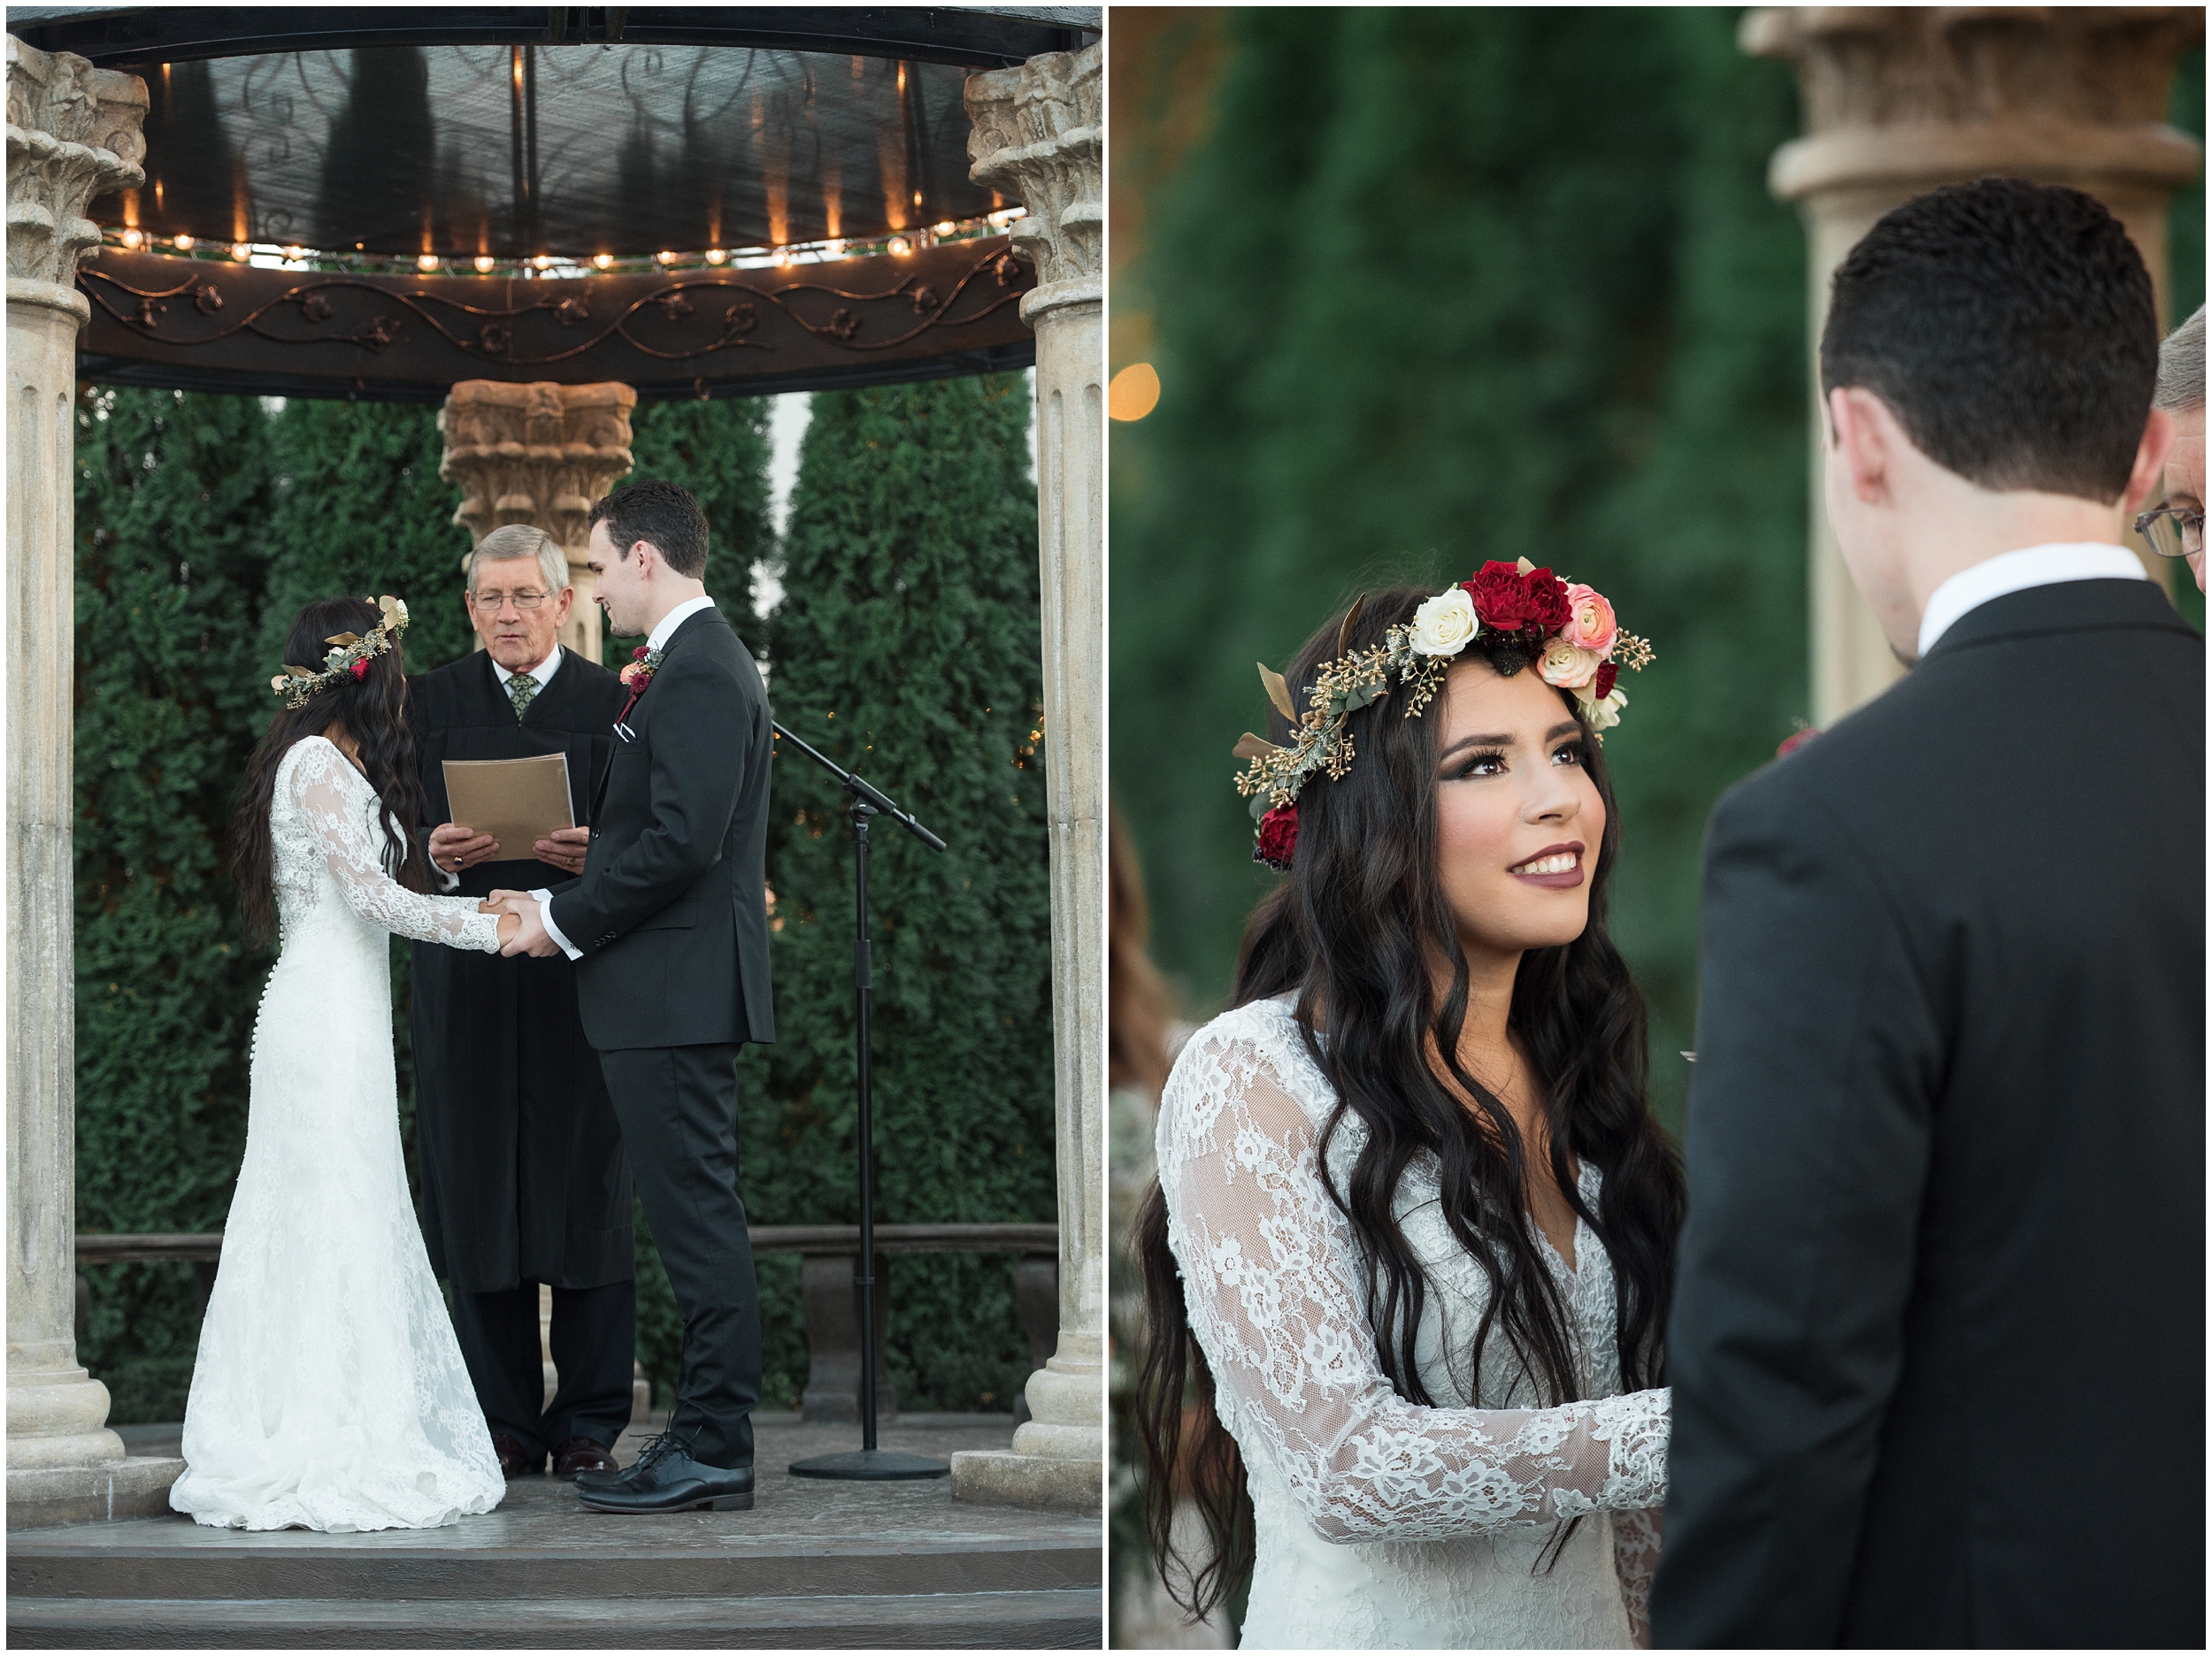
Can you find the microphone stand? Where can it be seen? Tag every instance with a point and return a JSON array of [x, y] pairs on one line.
[[867, 1464]]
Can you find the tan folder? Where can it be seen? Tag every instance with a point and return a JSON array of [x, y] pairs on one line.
[[518, 801]]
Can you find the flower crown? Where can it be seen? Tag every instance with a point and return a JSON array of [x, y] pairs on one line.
[[350, 656], [1526, 614]]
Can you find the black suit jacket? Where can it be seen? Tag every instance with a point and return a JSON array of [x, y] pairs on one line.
[[671, 912], [1938, 1341]]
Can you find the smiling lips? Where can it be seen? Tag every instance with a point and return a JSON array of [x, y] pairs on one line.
[[1555, 868]]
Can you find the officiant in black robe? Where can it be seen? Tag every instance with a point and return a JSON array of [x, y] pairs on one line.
[[524, 1177]]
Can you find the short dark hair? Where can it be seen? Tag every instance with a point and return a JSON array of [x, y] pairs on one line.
[[659, 512], [2011, 329]]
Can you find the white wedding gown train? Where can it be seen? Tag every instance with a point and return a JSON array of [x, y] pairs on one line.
[[329, 1392]]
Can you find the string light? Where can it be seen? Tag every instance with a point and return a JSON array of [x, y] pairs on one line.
[[899, 244]]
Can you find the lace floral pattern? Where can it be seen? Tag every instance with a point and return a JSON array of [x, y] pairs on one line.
[[1381, 1521], [329, 1392]]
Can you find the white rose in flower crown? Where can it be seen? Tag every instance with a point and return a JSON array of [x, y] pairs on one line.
[[1445, 625], [1602, 715], [1565, 666]]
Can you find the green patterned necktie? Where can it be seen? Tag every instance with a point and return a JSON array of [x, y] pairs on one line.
[[521, 690]]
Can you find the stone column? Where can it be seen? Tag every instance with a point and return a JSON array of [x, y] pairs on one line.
[[1900, 99], [1039, 138], [74, 133], [539, 454]]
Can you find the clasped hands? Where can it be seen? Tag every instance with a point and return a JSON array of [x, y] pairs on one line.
[[528, 935]]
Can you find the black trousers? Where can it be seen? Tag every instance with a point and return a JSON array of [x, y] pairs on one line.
[[678, 1107], [594, 1339]]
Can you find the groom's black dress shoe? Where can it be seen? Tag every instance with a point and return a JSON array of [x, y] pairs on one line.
[[514, 1460], [667, 1479], [580, 1455]]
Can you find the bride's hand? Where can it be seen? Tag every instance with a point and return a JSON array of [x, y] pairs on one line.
[[503, 902], [510, 923]]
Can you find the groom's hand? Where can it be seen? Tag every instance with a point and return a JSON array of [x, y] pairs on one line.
[[530, 938]]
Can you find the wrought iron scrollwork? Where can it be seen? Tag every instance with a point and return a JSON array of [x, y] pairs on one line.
[[856, 321]]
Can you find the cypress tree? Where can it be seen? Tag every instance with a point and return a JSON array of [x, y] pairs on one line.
[[906, 647], [1416, 310], [172, 493]]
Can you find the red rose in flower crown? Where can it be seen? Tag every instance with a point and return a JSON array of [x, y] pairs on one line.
[[1278, 838], [1500, 597], [360, 670]]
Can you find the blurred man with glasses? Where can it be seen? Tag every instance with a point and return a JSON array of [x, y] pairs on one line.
[[524, 1179], [2174, 526]]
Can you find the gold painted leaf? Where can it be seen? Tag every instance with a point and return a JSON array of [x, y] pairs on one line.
[[1251, 746], [1278, 691]]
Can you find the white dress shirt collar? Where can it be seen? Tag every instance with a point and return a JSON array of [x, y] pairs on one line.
[[2017, 572], [676, 618], [542, 672]]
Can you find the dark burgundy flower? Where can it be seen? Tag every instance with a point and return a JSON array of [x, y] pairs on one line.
[[361, 667], [1602, 686], [1547, 605], [1278, 838]]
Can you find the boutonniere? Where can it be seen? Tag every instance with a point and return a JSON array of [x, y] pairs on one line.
[[644, 664]]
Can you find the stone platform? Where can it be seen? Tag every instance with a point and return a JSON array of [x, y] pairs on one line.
[[816, 1564]]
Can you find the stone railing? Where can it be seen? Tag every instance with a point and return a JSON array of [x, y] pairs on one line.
[[829, 1256]]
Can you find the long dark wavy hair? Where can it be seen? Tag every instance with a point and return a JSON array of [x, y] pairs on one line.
[[1353, 931], [372, 709]]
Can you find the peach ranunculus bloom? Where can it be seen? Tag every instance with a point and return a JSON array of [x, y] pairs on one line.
[[1566, 665], [1590, 622]]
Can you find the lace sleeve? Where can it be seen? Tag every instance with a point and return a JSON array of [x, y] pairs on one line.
[[1636, 1560], [1271, 1279], [326, 791]]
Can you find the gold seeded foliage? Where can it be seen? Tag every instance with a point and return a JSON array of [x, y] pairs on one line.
[[1274, 775]]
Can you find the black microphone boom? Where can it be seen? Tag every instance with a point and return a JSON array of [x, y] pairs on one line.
[[868, 1463]]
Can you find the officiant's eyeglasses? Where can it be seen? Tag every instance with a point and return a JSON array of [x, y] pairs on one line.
[[526, 601], [2172, 531]]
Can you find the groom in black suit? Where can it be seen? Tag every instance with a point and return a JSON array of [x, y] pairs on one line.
[[668, 927], [1937, 1338]]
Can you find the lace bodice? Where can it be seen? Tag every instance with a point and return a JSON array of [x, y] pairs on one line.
[[329, 839], [1436, 1516]]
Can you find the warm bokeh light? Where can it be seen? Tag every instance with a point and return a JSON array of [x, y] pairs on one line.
[[134, 240], [945, 228], [715, 256], [296, 253], [425, 262], [239, 251], [484, 263], [1133, 392], [901, 247], [601, 261], [665, 258], [184, 242], [544, 261]]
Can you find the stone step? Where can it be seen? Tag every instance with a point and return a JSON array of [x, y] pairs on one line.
[[1064, 1619], [731, 1565]]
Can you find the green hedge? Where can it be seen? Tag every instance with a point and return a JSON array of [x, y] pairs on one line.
[[203, 522]]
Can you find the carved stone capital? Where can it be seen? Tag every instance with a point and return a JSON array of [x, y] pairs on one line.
[[73, 133], [1913, 97], [539, 454], [1040, 138]]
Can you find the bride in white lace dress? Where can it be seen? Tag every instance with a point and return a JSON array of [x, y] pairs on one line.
[[329, 1392], [1408, 1252]]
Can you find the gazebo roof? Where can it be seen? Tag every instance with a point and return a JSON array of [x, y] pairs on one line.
[[457, 151]]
